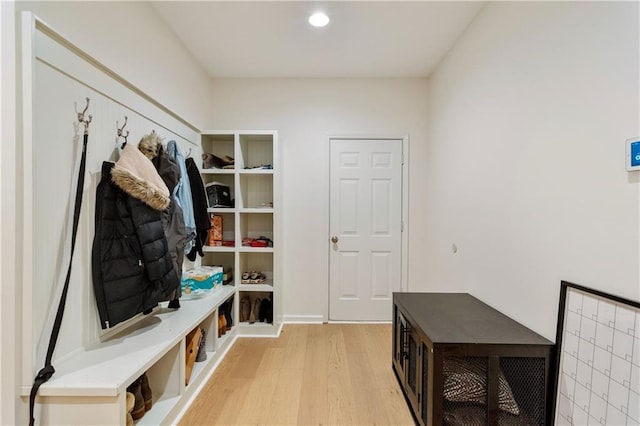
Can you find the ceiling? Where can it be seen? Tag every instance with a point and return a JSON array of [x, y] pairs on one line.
[[272, 39]]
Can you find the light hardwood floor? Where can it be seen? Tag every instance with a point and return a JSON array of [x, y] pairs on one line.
[[321, 374]]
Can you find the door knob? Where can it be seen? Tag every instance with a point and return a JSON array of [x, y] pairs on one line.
[[334, 239]]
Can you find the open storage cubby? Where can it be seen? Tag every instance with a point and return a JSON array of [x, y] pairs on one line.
[[254, 225], [253, 297], [255, 151], [255, 261], [255, 185], [256, 190], [462, 363], [228, 223], [222, 177], [225, 259], [219, 144]]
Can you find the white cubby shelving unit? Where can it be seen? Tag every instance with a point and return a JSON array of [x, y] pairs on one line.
[[255, 188]]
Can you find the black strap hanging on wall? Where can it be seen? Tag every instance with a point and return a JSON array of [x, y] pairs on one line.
[[47, 371]]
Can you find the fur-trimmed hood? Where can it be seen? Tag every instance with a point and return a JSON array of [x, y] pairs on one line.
[[151, 145], [135, 174]]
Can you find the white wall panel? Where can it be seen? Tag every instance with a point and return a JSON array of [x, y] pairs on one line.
[[381, 273], [349, 196], [349, 275], [381, 207], [524, 170], [61, 80]]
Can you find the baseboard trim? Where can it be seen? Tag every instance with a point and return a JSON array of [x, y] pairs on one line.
[[303, 319]]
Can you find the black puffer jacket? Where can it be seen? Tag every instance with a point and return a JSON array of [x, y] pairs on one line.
[[172, 218], [132, 269]]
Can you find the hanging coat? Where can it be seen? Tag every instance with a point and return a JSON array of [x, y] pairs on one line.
[[200, 214], [131, 267], [182, 193], [172, 218]]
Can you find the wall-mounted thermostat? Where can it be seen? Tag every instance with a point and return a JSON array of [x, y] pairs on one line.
[[633, 154]]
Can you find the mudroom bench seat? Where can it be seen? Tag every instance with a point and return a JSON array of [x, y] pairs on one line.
[[89, 386]]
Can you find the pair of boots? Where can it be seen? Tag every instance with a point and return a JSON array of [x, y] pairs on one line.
[[225, 309], [245, 308], [222, 325], [142, 398], [248, 309], [256, 310]]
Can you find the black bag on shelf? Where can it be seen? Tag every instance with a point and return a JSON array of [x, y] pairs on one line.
[[218, 195]]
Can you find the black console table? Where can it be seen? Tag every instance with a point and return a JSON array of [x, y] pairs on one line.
[[461, 362]]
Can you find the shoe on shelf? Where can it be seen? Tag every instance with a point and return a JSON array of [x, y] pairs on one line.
[[226, 308], [269, 310], [145, 389], [131, 402], [202, 351], [262, 315], [255, 308], [245, 309], [138, 406], [223, 323]]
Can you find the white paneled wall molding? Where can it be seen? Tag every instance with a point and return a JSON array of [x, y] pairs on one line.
[[94, 367]]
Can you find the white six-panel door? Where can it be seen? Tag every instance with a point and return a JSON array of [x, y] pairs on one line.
[[365, 228]]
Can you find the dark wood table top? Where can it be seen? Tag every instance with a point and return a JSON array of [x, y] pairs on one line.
[[461, 318]]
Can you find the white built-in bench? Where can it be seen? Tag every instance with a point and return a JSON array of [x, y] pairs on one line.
[[89, 387]]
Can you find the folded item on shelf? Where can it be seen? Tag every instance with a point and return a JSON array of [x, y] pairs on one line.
[[212, 161], [261, 167], [257, 242]]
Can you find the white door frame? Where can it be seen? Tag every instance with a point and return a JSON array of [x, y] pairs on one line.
[[404, 255]]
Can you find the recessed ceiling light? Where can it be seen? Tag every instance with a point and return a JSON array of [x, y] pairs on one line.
[[318, 19]]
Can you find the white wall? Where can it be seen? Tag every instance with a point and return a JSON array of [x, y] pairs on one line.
[[305, 112], [132, 40], [9, 308], [528, 116]]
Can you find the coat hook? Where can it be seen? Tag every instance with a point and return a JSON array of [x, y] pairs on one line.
[[189, 153], [121, 134], [85, 120]]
